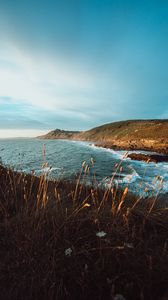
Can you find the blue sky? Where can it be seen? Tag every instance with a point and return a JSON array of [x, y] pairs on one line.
[[76, 64]]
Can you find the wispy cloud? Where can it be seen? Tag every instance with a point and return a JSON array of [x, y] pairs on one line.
[[39, 81], [74, 64], [52, 92]]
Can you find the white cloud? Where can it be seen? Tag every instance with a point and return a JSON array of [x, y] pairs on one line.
[[42, 82]]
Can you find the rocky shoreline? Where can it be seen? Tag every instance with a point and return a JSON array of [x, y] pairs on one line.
[[139, 146], [155, 154], [156, 158]]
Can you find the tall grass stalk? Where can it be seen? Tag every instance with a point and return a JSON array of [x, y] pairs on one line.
[[66, 240]]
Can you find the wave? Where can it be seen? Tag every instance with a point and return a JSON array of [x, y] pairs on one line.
[[118, 154], [163, 165], [121, 178], [47, 170]]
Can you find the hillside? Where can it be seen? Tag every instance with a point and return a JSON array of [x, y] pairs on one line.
[[132, 134], [129, 129], [59, 134]]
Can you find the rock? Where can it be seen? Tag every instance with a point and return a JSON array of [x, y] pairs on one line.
[[157, 158]]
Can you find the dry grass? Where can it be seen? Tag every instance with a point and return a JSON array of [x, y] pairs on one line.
[[61, 240]]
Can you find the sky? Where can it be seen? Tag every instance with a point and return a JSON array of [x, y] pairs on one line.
[[77, 64]]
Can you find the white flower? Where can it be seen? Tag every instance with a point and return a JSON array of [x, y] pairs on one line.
[[101, 234], [68, 252]]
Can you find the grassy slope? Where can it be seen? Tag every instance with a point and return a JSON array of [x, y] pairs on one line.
[[39, 220], [132, 129]]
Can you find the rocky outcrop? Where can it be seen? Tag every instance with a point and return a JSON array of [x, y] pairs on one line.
[[148, 157], [143, 145]]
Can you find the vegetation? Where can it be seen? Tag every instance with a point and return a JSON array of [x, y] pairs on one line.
[[132, 129], [61, 240]]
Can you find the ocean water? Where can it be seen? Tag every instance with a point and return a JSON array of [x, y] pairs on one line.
[[64, 160]]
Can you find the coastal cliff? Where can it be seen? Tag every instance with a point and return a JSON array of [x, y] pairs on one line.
[[151, 135]]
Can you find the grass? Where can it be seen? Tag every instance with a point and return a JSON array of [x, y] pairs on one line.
[[148, 135], [64, 240], [130, 129]]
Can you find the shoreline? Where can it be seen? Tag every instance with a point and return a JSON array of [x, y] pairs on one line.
[[163, 151], [110, 145], [155, 155]]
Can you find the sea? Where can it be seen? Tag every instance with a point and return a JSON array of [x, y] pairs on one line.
[[65, 160]]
